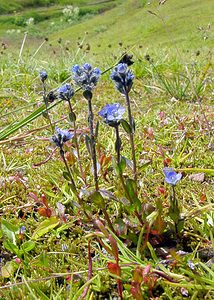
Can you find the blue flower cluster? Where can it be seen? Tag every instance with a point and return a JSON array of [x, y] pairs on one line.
[[86, 77], [43, 75], [123, 78], [65, 92], [112, 114], [61, 137], [171, 176]]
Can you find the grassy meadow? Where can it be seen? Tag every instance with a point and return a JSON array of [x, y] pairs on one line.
[[129, 234]]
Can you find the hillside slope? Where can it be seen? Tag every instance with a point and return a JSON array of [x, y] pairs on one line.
[[144, 23], [187, 24]]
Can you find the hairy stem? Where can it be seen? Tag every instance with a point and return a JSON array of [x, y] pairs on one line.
[[46, 105], [93, 149], [77, 145], [121, 175], [131, 136], [118, 142], [175, 206], [74, 189]]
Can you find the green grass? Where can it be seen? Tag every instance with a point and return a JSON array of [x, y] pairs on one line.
[[132, 23]]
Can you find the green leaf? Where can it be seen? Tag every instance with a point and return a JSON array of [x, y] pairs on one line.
[[64, 227], [67, 176], [132, 191], [131, 187], [45, 227], [119, 169], [126, 126], [72, 116], [15, 126], [115, 166], [8, 270], [180, 224], [88, 143], [98, 199], [122, 164], [28, 246], [9, 230], [9, 226], [11, 247]]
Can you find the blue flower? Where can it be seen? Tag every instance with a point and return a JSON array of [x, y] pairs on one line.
[[112, 114], [43, 75], [22, 229], [86, 77], [61, 137], [65, 92], [87, 67], [123, 78], [171, 176]]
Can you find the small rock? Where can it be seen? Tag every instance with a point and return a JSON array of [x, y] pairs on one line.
[[199, 177]]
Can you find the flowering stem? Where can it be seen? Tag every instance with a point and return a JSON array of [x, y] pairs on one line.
[[62, 154], [118, 141], [46, 105], [76, 144], [117, 144], [93, 149], [175, 209], [131, 135], [74, 189]]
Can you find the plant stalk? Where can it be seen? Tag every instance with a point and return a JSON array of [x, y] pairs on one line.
[[46, 105], [74, 189], [77, 144], [118, 142], [175, 205], [121, 175], [93, 149], [131, 135]]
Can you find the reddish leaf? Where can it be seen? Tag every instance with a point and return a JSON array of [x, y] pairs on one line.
[[167, 162], [114, 269], [203, 198], [44, 200], [161, 190], [45, 212]]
